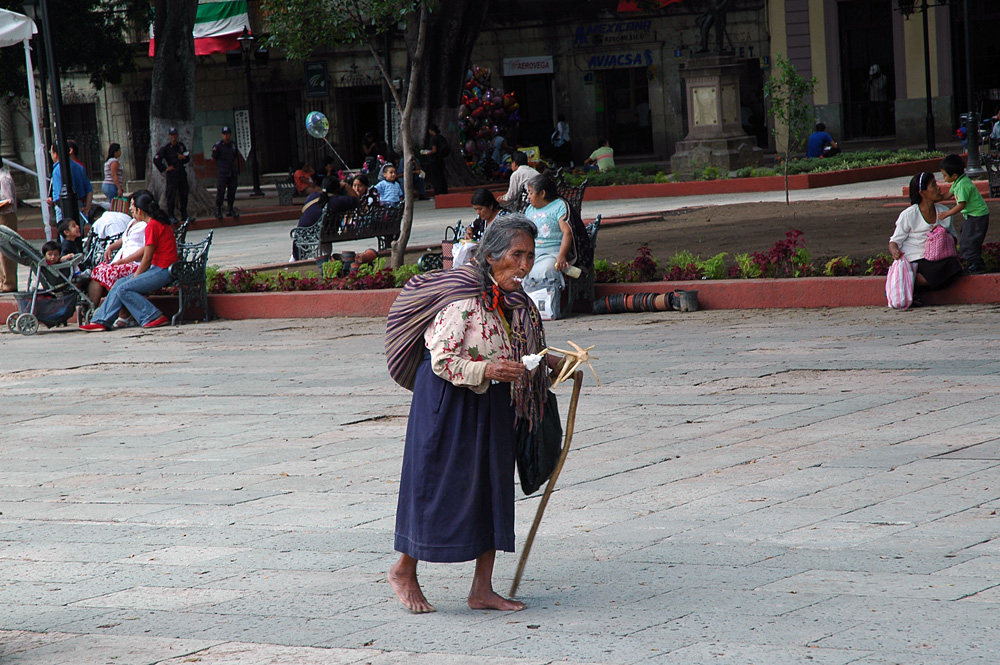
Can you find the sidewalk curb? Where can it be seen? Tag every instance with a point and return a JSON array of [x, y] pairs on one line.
[[804, 293]]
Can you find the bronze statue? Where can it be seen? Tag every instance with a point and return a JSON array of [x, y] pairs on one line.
[[714, 17]]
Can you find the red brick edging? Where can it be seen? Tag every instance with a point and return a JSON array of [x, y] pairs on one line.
[[808, 292]]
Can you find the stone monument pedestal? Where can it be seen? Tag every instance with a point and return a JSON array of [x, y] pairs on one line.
[[715, 131]]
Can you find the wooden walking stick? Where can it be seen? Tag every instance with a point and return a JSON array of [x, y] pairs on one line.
[[570, 423]]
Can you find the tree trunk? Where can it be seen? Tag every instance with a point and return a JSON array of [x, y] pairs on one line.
[[171, 102], [440, 79]]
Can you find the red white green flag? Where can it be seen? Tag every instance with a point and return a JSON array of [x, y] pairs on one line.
[[216, 26]]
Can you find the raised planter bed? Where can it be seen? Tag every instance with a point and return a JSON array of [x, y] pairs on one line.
[[810, 292], [807, 292], [731, 185]]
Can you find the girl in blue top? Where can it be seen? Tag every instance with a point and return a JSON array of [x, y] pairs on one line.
[[390, 192], [554, 243]]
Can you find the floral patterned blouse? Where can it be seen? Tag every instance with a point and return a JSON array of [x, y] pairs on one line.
[[462, 339]]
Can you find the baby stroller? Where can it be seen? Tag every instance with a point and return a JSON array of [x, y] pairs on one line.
[[52, 297]]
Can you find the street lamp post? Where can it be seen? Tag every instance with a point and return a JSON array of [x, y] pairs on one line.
[[246, 45], [68, 201], [974, 167]]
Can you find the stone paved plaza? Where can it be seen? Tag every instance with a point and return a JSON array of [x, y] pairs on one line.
[[757, 487]]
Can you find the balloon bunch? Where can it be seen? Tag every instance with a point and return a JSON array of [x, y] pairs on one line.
[[484, 113]]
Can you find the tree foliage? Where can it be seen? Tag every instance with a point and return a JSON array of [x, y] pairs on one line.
[[88, 35], [433, 86], [300, 27], [788, 94]]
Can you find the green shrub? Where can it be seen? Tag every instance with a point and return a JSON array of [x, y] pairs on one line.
[[713, 268], [711, 173], [333, 269], [403, 273], [860, 159], [748, 268], [373, 268], [681, 259], [841, 266], [755, 172]]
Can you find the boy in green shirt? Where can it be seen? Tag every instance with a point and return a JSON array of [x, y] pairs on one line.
[[970, 203]]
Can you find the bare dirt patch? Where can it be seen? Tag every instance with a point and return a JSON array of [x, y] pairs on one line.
[[858, 228]]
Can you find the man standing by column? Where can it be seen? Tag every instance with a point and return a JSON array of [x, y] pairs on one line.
[[170, 160], [227, 161], [8, 218], [81, 185]]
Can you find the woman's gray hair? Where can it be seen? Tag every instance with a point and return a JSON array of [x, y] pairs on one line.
[[497, 239]]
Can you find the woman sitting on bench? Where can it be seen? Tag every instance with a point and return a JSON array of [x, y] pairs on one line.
[[159, 253]]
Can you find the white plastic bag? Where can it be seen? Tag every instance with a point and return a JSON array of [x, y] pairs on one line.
[[899, 284], [462, 252], [547, 302]]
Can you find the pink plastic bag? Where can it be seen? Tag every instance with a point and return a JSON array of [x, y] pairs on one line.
[[899, 284], [940, 245]]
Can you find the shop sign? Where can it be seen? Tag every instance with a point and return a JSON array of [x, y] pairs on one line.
[[316, 80], [620, 60], [241, 121], [539, 64], [620, 33]]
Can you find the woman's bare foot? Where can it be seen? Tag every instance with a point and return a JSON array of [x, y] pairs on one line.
[[403, 580], [491, 600]]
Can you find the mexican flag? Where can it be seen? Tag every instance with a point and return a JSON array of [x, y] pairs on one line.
[[633, 5], [216, 27]]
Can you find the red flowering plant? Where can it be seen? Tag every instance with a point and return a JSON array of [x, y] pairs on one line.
[[879, 264], [786, 258]]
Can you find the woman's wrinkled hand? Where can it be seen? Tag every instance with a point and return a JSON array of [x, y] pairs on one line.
[[505, 371], [896, 254]]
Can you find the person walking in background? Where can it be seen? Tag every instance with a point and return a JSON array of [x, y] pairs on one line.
[[436, 153], [227, 163], [170, 160], [8, 218], [563, 152], [81, 185], [114, 175]]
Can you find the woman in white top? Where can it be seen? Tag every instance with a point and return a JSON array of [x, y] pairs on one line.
[[912, 227], [121, 258], [113, 173]]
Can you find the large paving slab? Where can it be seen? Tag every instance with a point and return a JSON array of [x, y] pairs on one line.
[[760, 487]]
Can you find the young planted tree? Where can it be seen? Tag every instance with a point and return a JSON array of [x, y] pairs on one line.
[[789, 97], [433, 90]]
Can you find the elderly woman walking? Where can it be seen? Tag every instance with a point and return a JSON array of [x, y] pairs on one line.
[[456, 338]]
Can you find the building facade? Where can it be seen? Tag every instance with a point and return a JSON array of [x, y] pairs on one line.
[[613, 71]]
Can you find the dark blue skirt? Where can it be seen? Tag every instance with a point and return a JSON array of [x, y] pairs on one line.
[[456, 494]]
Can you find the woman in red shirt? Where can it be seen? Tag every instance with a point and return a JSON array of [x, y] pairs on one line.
[[153, 272]]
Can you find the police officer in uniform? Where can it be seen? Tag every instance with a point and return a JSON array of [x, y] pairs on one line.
[[227, 161], [170, 160]]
